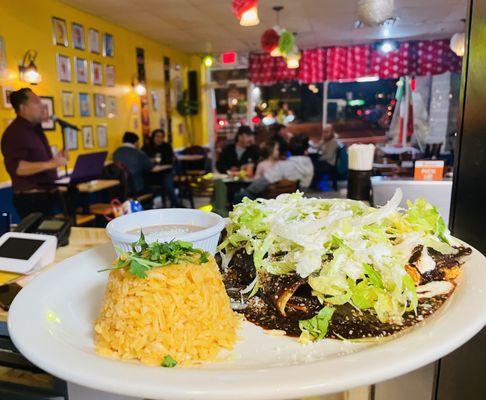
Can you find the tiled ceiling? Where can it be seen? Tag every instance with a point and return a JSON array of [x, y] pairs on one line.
[[198, 26]]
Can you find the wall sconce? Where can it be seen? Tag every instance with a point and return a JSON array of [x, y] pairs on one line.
[[139, 87], [28, 70], [208, 60]]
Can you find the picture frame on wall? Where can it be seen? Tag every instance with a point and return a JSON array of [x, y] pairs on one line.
[[67, 103], [88, 139], [110, 75], [94, 41], [47, 113], [6, 90], [102, 136], [64, 68], [70, 138], [59, 32], [99, 105], [96, 73], [81, 67], [77, 34], [111, 106], [3, 59], [108, 50], [84, 105]]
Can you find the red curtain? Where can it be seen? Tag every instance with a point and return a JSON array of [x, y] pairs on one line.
[[430, 57]]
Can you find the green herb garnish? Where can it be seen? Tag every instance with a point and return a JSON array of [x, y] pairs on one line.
[[144, 256], [168, 362], [316, 327]]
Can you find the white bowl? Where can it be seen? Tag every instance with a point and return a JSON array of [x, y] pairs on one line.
[[205, 239]]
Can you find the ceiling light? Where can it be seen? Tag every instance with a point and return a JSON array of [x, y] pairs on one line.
[[246, 11], [250, 17], [367, 79], [387, 46], [293, 58], [28, 70], [458, 44]]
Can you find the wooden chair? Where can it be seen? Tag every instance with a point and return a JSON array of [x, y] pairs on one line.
[[277, 188]]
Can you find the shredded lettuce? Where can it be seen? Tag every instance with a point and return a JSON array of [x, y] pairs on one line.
[[350, 252], [316, 327]]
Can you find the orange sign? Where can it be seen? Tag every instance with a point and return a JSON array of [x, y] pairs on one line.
[[429, 170]]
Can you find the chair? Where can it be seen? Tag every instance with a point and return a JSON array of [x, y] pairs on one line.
[[280, 187]]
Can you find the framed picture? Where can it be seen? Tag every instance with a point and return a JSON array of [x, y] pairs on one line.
[[110, 75], [47, 113], [111, 106], [81, 66], [108, 49], [96, 74], [155, 100], [99, 105], [94, 41], [6, 90], [3, 59], [64, 68], [77, 33], [84, 106], [71, 138], [59, 32], [67, 103], [88, 140], [102, 136]]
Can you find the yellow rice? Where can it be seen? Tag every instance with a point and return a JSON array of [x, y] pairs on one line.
[[178, 310]]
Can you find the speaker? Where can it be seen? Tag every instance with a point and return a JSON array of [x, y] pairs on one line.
[[192, 86]]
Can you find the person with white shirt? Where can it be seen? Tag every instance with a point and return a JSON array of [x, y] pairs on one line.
[[298, 167]]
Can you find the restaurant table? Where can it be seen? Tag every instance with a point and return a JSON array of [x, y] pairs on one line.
[[82, 239], [87, 188], [189, 157]]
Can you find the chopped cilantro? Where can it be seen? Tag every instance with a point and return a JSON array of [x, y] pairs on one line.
[[168, 362], [144, 256]]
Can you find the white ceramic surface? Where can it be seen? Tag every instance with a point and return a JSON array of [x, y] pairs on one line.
[[206, 239], [262, 366]]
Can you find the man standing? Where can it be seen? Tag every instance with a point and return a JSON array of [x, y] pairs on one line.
[[28, 157]]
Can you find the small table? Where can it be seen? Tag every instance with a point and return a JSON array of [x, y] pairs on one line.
[[189, 157], [161, 168]]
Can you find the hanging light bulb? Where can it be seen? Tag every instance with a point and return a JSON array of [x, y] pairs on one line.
[[250, 17], [293, 58], [246, 11], [458, 44]]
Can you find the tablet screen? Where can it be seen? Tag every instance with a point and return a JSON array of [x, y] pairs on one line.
[[19, 248]]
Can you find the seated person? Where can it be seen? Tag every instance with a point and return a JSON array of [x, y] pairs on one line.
[[282, 136], [298, 167], [327, 148], [161, 152], [158, 149], [134, 159], [240, 153], [269, 155]]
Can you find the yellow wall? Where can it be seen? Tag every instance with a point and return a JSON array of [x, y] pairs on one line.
[[27, 25]]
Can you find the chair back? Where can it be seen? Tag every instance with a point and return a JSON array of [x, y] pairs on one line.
[[120, 172], [277, 188]]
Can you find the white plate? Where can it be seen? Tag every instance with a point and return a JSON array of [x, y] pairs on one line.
[[261, 367]]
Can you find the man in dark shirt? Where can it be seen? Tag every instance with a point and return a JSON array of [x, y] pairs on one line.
[[237, 154], [28, 157], [137, 162]]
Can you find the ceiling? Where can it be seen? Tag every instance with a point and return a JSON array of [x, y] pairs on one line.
[[199, 26]]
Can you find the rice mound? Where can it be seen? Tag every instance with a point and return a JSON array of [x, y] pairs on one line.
[[181, 310]]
